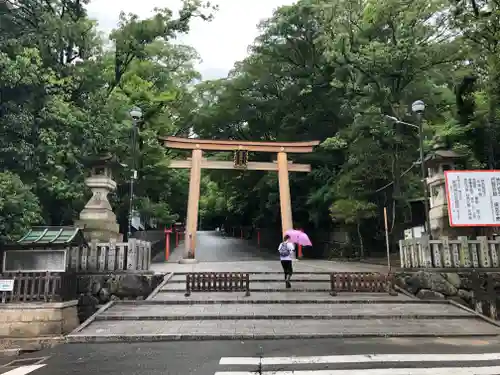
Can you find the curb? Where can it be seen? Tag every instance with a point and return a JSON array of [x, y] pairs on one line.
[[209, 337], [90, 320], [27, 345], [245, 300], [279, 317], [6, 353], [160, 286]]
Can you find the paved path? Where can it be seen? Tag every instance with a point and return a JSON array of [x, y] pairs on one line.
[[212, 247], [216, 253], [382, 356]]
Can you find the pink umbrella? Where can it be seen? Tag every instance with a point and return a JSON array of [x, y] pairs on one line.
[[299, 237]]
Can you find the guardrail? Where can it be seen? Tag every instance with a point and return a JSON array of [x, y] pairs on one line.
[[361, 282], [40, 286], [217, 282]]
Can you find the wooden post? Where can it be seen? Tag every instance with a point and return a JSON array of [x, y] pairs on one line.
[[299, 252], [193, 204], [284, 185], [167, 243], [387, 242]]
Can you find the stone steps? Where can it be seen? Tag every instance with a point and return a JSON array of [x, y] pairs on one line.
[[278, 311], [274, 312], [280, 296], [265, 286], [263, 280], [119, 331]]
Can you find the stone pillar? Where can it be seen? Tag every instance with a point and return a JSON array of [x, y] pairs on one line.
[[97, 219], [284, 186], [193, 204]]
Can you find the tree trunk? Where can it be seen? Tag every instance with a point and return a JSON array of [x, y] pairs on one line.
[[361, 246]]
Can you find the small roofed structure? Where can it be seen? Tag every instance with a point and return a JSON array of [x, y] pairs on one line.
[[43, 249], [52, 237]]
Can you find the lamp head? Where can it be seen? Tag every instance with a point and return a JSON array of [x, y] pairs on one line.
[[418, 106], [136, 113]]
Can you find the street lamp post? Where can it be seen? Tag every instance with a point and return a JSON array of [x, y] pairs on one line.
[[418, 108], [136, 115]]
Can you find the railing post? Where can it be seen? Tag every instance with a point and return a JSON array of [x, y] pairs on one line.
[[332, 285], [446, 252], [484, 256], [389, 285], [464, 253], [188, 285], [247, 284], [490, 292]]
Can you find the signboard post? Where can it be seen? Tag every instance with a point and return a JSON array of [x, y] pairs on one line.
[[473, 198], [6, 285]]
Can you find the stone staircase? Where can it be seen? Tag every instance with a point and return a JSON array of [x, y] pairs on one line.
[[307, 310]]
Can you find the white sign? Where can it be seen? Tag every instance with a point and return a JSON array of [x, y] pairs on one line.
[[6, 285], [473, 198]]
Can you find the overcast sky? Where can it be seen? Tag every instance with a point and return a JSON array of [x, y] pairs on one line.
[[220, 43]]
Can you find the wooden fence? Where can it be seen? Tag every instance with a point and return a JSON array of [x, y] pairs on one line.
[[134, 255], [361, 282], [40, 286], [217, 282], [446, 253]]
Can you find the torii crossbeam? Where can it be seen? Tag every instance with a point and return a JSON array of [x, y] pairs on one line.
[[196, 163]]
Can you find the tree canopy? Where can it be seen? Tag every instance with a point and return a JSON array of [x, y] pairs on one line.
[[319, 70]]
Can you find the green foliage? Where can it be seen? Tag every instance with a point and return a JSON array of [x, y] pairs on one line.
[[64, 96], [325, 70], [333, 71], [19, 207], [352, 211]]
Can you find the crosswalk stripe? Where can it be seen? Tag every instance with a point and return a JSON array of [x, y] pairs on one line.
[[23, 370], [361, 358], [493, 370]]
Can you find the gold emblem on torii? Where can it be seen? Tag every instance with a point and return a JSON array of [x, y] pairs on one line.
[[240, 159]]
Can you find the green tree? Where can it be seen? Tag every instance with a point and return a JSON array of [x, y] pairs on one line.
[[19, 207]]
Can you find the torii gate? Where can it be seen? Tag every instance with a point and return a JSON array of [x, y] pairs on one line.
[[240, 149]]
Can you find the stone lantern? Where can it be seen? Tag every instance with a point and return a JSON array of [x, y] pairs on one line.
[[97, 219], [439, 160]]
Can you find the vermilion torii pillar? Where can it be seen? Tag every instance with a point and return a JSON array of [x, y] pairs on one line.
[[196, 163]]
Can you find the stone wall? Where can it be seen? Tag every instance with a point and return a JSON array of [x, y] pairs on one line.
[[98, 289], [454, 286], [36, 319]]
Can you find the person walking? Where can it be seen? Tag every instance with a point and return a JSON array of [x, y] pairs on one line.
[[286, 250]]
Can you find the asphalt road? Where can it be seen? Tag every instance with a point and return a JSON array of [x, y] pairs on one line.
[[212, 247], [182, 358]]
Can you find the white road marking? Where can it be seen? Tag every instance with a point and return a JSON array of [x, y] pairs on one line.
[[361, 358], [493, 370], [23, 370]]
